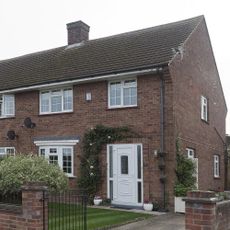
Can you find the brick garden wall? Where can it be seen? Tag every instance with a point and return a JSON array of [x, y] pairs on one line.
[[203, 211], [29, 216]]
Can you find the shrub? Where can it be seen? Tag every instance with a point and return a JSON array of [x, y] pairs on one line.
[[14, 171], [185, 170]]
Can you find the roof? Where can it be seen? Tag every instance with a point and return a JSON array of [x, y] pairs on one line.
[[135, 50]]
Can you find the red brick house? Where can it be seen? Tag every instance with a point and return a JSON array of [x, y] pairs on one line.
[[162, 82]]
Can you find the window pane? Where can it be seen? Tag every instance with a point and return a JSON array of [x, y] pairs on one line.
[[139, 162], [124, 165], [56, 103], [2, 151], [115, 93], [111, 189], [110, 161], [67, 160], [216, 166], [1, 109], [133, 96], [45, 102], [204, 108], [130, 96], [9, 105], [10, 151], [127, 99], [42, 152], [68, 99], [53, 150], [53, 159], [139, 192]]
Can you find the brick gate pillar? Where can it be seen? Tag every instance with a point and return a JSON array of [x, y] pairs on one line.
[[200, 210], [34, 206]]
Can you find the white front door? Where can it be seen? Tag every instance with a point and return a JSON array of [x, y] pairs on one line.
[[125, 174]]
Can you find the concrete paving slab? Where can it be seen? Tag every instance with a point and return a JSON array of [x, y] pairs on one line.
[[169, 221]]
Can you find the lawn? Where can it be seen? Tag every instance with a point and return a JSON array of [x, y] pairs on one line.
[[71, 217]]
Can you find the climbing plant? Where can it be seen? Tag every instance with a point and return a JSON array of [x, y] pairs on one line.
[[185, 170], [93, 141]]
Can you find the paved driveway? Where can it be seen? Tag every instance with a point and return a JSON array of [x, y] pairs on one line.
[[169, 221]]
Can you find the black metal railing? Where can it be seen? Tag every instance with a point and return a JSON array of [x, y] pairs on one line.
[[14, 198], [67, 211]]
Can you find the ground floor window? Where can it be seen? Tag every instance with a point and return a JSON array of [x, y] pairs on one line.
[[59, 155], [216, 166], [7, 151]]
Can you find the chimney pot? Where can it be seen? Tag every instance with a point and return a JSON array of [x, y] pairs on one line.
[[77, 32]]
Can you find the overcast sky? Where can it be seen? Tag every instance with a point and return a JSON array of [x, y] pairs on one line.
[[33, 25]]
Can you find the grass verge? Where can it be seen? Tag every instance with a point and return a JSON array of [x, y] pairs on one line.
[[70, 217]]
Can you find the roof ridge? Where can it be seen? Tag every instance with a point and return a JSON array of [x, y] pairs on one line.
[[146, 29]]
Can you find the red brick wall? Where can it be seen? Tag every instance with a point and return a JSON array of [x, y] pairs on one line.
[[144, 119], [204, 211], [30, 215], [194, 74]]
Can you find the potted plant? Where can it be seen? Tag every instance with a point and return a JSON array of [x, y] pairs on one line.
[[97, 200], [185, 180], [148, 205]]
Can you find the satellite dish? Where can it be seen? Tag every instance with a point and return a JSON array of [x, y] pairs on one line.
[[28, 123], [11, 134]]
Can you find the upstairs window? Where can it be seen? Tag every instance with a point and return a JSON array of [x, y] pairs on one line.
[[123, 93], [7, 105], [204, 108], [56, 101], [216, 166]]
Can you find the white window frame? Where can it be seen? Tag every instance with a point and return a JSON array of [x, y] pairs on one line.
[[190, 153], [59, 154], [3, 151], [216, 166], [61, 93], [123, 86], [204, 108], [4, 104]]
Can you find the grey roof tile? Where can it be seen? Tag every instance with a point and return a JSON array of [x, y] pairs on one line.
[[128, 51]]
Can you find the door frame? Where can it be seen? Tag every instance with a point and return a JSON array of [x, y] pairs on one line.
[[136, 179]]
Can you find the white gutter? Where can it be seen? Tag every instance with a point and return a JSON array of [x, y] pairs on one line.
[[69, 82]]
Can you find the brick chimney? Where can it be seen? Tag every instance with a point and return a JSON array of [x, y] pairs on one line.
[[77, 32]]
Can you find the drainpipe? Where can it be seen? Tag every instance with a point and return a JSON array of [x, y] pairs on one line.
[[162, 159]]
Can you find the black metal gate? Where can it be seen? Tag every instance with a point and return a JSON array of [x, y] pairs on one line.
[[66, 211]]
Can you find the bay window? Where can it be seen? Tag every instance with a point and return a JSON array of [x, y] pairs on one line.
[[59, 155]]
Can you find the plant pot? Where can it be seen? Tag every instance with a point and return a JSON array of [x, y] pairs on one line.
[[97, 201], [179, 204], [148, 207]]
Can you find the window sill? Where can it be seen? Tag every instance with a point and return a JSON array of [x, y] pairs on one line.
[[216, 178], [58, 113], [71, 176], [206, 122], [8, 117], [123, 107]]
